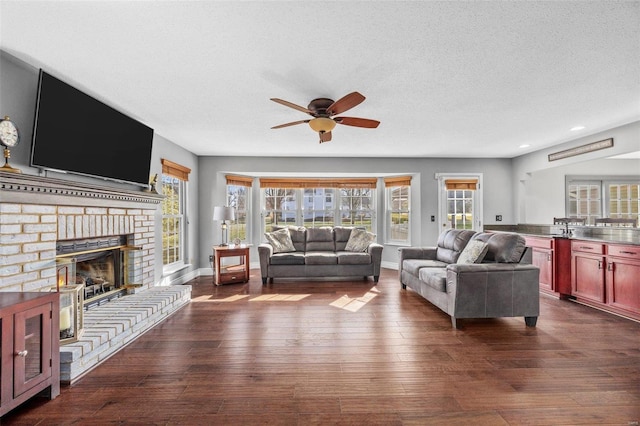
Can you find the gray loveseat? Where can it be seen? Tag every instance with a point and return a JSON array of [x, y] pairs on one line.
[[503, 284], [321, 252]]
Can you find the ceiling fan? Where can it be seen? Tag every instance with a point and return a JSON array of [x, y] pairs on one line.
[[323, 110]]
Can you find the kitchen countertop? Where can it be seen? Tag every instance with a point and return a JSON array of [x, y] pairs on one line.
[[615, 235]]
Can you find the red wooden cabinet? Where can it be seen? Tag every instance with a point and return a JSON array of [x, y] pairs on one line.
[[587, 271], [607, 276], [623, 278], [30, 347], [553, 257]]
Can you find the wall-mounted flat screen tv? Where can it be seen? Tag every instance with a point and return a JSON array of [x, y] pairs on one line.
[[74, 132]]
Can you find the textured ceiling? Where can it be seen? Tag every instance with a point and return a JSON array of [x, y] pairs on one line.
[[446, 79]]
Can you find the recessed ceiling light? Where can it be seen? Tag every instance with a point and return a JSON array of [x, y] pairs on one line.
[[526, 145], [573, 129]]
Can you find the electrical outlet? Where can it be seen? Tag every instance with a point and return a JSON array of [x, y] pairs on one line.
[[210, 258], [498, 218], [433, 218]]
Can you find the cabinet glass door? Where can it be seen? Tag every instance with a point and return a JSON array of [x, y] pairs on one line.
[[32, 353]]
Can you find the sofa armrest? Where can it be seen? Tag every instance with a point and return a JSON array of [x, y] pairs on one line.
[[484, 290], [265, 251], [375, 250]]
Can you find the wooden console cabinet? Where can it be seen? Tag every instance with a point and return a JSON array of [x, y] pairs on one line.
[[606, 276], [29, 327]]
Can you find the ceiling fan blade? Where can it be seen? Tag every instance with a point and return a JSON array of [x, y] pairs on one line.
[[345, 103], [293, 123], [357, 122], [291, 105], [325, 137]]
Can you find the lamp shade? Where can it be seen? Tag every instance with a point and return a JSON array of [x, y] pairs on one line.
[[223, 213], [322, 124]]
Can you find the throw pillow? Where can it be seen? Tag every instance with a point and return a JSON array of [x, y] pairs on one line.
[[359, 240], [473, 252], [280, 240]]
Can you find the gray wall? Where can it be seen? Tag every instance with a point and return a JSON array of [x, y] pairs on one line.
[[496, 174], [539, 183], [18, 89]]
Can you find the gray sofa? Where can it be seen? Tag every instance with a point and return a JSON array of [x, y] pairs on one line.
[[503, 284], [320, 252]]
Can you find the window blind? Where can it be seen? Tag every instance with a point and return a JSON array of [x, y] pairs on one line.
[[318, 183], [461, 184], [239, 180], [397, 181], [175, 170]]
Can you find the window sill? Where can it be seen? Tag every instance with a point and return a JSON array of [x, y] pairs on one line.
[[397, 243], [174, 268]]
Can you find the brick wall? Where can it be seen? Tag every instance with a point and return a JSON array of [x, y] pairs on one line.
[[36, 212], [29, 232]]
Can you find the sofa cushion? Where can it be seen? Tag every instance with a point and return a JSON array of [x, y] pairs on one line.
[[353, 258], [434, 277], [320, 239], [413, 266], [341, 235], [298, 235], [280, 240], [474, 252], [503, 247], [359, 240], [293, 258], [451, 243], [320, 258]]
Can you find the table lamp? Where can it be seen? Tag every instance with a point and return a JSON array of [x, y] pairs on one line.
[[223, 214]]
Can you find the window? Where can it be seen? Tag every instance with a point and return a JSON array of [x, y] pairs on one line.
[[174, 188], [460, 200], [280, 207], [398, 190], [624, 200], [357, 208], [615, 197], [318, 207], [238, 197], [318, 202], [585, 201]]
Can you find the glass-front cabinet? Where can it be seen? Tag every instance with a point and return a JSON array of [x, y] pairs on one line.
[[30, 347]]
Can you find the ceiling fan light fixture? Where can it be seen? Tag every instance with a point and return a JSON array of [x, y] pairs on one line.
[[322, 124]]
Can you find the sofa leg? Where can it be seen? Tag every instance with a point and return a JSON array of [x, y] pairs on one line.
[[375, 278], [530, 321], [264, 280], [453, 322], [404, 286]]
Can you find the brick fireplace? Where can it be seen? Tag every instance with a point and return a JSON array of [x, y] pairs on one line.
[[40, 216]]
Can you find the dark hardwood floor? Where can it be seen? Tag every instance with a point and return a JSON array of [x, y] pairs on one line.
[[351, 353]]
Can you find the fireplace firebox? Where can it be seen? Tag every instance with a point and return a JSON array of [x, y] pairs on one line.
[[105, 267]]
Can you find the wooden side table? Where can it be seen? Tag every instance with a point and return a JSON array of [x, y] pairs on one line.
[[230, 274]]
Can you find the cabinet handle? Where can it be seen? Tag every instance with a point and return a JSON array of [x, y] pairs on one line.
[[610, 266], [586, 248], [23, 353], [627, 252], [549, 257], [599, 264]]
